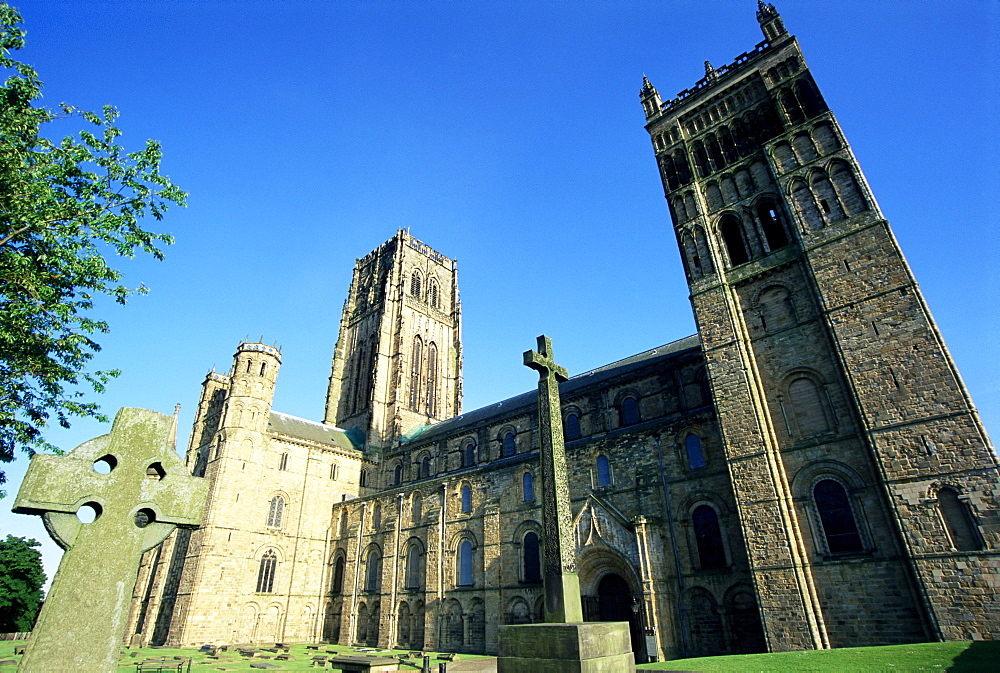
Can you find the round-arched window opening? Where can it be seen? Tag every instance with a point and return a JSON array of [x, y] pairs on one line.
[[105, 464], [89, 512], [144, 517]]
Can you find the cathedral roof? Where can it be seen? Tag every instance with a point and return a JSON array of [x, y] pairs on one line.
[[529, 399], [311, 431]]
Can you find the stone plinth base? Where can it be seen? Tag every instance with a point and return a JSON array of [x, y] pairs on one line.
[[586, 647]]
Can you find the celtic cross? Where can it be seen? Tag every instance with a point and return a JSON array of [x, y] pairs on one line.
[[139, 490], [562, 586]]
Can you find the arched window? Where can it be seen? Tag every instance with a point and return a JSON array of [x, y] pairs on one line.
[[572, 426], [805, 150], [775, 308], [413, 574], [785, 157], [805, 206], [827, 197], [808, 407], [415, 285], [275, 512], [333, 471], [958, 521], [848, 189], [425, 466], [603, 471], [359, 377], [265, 575], [793, 111], [696, 458], [669, 173], [377, 516], [727, 145], [826, 137], [432, 378], [812, 101], [397, 474], [700, 160], [343, 523], [416, 508], [468, 453], [415, 366], [283, 463], [432, 294], [414, 567], [704, 256], [714, 154], [834, 508], [708, 537], [366, 377], [373, 570], [732, 235], [466, 499], [532, 558], [465, 563], [263, 368], [509, 447], [628, 412], [363, 478], [770, 222], [682, 166], [691, 258], [528, 487], [337, 585]]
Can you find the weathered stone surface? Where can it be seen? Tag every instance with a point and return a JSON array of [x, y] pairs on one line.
[[562, 586], [590, 646], [816, 360], [147, 493]]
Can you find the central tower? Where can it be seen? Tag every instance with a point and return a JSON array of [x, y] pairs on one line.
[[397, 364]]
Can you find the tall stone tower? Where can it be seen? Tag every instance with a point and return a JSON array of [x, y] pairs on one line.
[[860, 467], [397, 365]]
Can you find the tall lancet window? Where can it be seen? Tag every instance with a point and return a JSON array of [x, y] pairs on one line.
[[360, 379], [432, 378], [265, 574], [369, 375], [416, 364]]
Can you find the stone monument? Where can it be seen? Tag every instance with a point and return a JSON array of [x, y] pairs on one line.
[[138, 490], [565, 643]]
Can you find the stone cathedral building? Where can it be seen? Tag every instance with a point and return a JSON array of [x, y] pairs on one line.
[[808, 471]]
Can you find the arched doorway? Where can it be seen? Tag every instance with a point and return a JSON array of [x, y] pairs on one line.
[[617, 603]]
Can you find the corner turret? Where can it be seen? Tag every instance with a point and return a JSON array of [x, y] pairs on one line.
[[650, 99], [770, 21]]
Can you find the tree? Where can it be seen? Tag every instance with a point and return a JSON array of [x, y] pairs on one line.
[[65, 207], [21, 580]]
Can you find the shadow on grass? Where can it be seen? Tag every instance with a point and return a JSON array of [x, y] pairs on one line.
[[980, 655]]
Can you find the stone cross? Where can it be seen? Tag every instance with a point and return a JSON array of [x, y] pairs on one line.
[[145, 492], [562, 586]]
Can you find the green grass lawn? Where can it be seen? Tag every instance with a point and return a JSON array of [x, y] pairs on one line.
[[960, 656], [230, 660]]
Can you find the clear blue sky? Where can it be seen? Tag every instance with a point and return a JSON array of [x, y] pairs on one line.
[[507, 135]]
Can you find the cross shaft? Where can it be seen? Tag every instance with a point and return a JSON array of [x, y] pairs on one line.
[[562, 586]]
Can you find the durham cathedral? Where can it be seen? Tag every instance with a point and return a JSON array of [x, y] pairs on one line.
[[807, 471]]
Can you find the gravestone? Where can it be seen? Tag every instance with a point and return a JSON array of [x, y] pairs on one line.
[[145, 492], [565, 642]]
